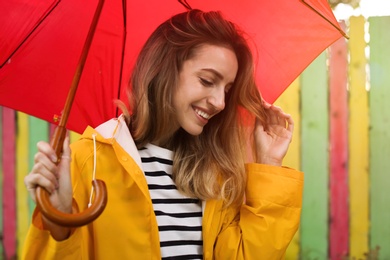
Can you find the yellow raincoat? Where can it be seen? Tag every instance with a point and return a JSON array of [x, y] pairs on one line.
[[127, 229]]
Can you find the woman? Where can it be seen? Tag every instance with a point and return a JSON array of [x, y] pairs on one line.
[[176, 173]]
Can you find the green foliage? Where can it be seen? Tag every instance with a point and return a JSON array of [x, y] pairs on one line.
[[353, 3]]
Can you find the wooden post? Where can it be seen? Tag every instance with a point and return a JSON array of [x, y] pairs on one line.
[[22, 169], [289, 101], [1, 179], [38, 131], [358, 141], [9, 202], [315, 160], [338, 115], [380, 134]]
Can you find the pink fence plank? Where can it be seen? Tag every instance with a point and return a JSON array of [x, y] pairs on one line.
[[9, 200], [1, 181], [339, 217]]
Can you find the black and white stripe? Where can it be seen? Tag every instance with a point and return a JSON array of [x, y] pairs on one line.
[[179, 218]]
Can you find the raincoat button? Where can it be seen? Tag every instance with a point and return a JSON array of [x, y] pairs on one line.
[[124, 158]]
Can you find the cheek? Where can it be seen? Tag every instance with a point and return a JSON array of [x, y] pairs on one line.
[[182, 96], [176, 100]]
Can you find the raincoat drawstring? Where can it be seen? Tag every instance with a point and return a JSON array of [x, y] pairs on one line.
[[94, 168]]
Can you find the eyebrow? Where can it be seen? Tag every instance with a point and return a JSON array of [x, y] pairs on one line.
[[219, 75]]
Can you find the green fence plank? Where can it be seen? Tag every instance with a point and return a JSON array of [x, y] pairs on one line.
[[315, 159], [38, 131], [380, 134]]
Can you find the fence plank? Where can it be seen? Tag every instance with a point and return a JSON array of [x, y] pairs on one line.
[[358, 141], [338, 113], [74, 136], [38, 131], [9, 204], [289, 101], [314, 98], [22, 169], [380, 134], [1, 182]]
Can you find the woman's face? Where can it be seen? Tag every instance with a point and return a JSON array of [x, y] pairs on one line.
[[203, 82]]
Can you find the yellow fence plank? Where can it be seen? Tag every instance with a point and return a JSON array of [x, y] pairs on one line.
[[22, 168], [73, 136], [289, 101], [358, 141]]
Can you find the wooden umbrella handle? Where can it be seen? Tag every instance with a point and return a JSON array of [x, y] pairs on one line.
[[43, 201], [75, 219]]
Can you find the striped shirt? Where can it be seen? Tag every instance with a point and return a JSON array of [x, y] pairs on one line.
[[179, 218]]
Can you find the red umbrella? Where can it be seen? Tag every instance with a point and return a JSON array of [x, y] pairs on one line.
[[43, 41]]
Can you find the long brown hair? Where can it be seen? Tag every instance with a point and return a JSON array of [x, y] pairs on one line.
[[211, 165]]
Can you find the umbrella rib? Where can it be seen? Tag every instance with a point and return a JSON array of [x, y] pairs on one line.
[[326, 19], [30, 33], [59, 138], [185, 4]]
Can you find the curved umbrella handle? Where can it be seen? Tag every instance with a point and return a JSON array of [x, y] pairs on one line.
[[75, 219]]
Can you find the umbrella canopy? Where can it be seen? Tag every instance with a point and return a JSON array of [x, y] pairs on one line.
[[42, 41]]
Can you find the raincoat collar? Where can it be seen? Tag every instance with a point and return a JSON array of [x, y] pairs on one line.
[[115, 129]]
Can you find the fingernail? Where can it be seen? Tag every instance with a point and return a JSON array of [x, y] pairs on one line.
[[54, 158]]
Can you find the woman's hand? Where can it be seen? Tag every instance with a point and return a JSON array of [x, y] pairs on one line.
[[273, 140], [53, 177]]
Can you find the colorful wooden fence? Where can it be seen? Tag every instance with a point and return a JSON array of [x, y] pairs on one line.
[[341, 109]]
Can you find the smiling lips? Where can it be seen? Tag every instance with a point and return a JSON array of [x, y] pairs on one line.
[[202, 114]]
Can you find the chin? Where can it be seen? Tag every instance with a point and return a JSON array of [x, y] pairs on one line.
[[194, 132]]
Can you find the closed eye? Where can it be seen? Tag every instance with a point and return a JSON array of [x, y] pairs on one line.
[[205, 82]]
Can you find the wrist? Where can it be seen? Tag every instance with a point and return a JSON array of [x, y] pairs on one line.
[[268, 161]]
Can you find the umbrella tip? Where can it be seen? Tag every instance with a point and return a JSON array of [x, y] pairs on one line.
[[185, 4]]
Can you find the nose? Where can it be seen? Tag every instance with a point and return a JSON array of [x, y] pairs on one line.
[[217, 98]]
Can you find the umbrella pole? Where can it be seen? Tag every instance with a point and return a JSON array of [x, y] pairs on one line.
[[60, 132], [43, 197]]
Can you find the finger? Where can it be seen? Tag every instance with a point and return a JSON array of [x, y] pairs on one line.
[[272, 117], [31, 186], [33, 180], [66, 149], [49, 173], [265, 104], [290, 123], [284, 119], [46, 149], [66, 155], [259, 127], [43, 162]]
